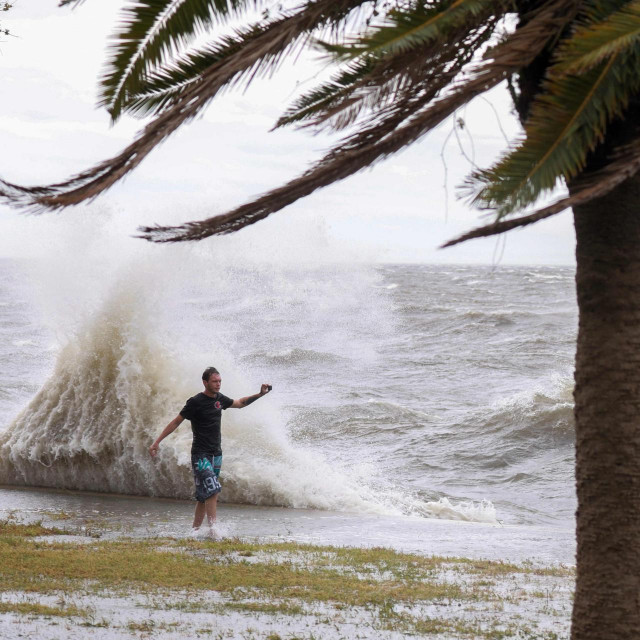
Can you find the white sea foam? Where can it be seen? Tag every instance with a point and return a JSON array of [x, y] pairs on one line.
[[115, 385], [113, 388], [399, 409], [23, 343], [545, 408], [482, 511], [137, 331]]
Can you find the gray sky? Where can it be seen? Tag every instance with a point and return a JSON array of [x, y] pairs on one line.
[[400, 211]]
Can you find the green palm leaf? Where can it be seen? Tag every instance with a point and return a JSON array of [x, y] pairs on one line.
[[568, 119], [600, 38], [250, 51], [151, 30], [421, 24], [338, 89], [166, 83]]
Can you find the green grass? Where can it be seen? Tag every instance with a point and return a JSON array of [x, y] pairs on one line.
[[463, 597], [496, 568], [36, 609], [10, 528], [136, 564], [274, 608], [59, 515]]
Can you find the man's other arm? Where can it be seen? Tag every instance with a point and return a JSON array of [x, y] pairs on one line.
[[170, 428], [245, 402]]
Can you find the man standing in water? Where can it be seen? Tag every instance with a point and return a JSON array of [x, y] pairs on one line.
[[204, 411]]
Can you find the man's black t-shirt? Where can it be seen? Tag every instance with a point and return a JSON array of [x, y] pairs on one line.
[[205, 414]]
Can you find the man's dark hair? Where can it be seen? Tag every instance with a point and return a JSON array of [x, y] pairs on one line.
[[207, 373]]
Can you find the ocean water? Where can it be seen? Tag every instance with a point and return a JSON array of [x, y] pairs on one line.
[[410, 402]]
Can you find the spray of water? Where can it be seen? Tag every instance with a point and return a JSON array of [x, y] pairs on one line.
[[135, 332]]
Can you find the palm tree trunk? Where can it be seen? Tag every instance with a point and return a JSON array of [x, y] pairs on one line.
[[607, 416]]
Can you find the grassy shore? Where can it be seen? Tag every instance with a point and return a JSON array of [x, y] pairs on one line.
[[57, 584]]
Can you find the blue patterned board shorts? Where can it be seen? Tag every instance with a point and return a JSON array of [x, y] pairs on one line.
[[206, 470]]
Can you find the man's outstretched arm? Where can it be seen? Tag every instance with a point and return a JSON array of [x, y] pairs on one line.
[[170, 428], [245, 402]]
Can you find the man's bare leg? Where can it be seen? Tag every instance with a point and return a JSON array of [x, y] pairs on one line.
[[199, 516], [209, 507]]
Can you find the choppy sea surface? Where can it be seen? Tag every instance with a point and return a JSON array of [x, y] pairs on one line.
[[412, 403]]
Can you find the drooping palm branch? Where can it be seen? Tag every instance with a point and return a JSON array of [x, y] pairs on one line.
[[247, 54], [624, 163], [569, 116], [391, 135], [404, 75]]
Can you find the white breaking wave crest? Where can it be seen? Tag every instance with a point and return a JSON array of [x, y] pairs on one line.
[[88, 427], [112, 390], [542, 410], [483, 511], [115, 386]]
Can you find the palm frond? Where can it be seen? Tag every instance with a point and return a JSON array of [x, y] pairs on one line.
[[568, 119], [266, 45], [165, 84], [151, 30], [420, 24], [162, 85], [372, 94], [13, 194], [373, 84], [600, 38], [337, 89], [355, 153], [624, 163], [396, 132]]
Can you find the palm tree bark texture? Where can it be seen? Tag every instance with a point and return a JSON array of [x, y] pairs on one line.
[[607, 388], [607, 410]]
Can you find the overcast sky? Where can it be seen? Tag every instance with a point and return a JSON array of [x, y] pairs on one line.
[[400, 211]]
